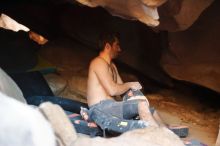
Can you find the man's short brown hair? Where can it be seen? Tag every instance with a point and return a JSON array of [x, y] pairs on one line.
[[107, 37]]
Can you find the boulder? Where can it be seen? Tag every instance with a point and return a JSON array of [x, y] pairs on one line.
[[63, 128], [193, 55], [151, 136], [180, 15], [78, 84], [10, 88], [57, 83], [22, 125]]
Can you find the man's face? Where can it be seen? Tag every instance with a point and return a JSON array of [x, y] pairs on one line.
[[115, 48]]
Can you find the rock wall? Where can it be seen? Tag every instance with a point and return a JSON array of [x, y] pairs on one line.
[[193, 55], [179, 15]]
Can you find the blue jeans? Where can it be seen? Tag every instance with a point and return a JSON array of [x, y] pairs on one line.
[[116, 116], [111, 122]]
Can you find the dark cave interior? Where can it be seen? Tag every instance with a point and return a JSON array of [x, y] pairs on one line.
[[75, 22]]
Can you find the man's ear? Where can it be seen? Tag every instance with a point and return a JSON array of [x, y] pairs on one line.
[[107, 46]]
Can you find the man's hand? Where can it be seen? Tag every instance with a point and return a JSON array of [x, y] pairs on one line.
[[135, 86], [137, 97]]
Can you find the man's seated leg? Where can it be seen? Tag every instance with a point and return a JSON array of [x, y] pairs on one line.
[[181, 131], [111, 123], [145, 113]]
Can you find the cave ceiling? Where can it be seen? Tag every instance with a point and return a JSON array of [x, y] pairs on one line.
[[176, 15]]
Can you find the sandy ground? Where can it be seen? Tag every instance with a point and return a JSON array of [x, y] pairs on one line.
[[175, 107], [203, 124]]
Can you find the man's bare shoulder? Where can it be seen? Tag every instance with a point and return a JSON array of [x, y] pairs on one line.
[[97, 62]]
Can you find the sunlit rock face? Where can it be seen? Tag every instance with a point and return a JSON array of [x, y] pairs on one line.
[[193, 55], [8, 23], [174, 15], [142, 10]]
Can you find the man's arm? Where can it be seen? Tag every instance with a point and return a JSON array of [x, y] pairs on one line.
[[101, 70]]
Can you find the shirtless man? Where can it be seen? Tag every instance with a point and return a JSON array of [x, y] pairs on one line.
[[104, 83]]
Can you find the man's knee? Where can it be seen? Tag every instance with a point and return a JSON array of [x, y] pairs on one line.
[[143, 108], [137, 95], [143, 103]]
